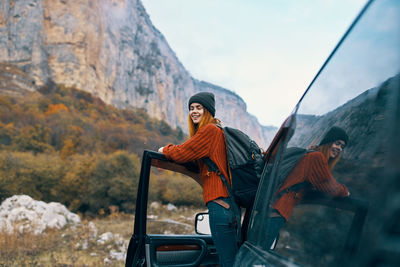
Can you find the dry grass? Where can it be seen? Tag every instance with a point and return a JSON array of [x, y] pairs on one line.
[[75, 247], [70, 247]]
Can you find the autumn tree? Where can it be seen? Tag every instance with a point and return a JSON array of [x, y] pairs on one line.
[[34, 138]]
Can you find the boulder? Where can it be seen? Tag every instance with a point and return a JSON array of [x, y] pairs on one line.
[[22, 213]]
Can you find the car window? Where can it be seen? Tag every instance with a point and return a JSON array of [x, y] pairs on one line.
[[304, 237], [174, 200], [355, 91]]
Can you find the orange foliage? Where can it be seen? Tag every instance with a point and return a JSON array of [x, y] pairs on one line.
[[68, 149], [9, 125], [55, 108], [75, 130]]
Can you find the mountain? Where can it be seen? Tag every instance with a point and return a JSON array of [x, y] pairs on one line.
[[363, 117], [111, 49]]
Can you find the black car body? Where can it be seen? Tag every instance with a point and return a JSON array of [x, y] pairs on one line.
[[357, 89]]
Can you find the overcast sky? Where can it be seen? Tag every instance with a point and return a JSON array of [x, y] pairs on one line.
[[266, 51]]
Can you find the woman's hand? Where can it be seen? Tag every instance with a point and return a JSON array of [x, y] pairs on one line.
[[161, 149]]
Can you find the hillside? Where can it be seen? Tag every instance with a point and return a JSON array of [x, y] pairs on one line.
[[61, 144], [112, 50]]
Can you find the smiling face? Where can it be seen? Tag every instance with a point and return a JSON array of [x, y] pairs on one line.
[[337, 148], [196, 112]]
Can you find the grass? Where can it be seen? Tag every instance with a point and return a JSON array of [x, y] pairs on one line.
[[69, 247], [76, 246]]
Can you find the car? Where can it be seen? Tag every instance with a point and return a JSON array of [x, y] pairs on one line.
[[358, 89]]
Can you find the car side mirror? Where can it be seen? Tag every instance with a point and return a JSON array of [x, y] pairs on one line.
[[202, 224]]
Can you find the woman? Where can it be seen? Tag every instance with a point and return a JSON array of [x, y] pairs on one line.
[[207, 140], [313, 171]]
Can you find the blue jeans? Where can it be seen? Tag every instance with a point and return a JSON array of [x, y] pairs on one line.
[[223, 231]]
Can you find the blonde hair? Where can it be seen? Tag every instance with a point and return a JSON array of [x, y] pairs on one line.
[[206, 119], [325, 149]]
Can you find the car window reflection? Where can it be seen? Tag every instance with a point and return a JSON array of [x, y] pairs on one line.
[[366, 58], [363, 158], [300, 238], [354, 91]]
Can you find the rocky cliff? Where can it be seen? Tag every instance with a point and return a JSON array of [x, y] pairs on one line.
[[111, 49], [363, 117]]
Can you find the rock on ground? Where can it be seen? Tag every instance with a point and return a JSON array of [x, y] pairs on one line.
[[22, 213]]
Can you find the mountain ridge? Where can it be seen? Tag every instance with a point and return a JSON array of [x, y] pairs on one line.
[[111, 49]]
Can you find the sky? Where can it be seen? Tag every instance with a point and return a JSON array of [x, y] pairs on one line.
[[266, 51]]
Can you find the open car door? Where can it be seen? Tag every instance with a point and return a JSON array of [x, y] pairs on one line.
[[167, 250]]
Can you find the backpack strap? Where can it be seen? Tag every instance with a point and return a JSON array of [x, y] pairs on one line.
[[212, 167]]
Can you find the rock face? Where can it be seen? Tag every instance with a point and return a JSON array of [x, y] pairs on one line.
[[111, 49], [363, 119], [22, 213]]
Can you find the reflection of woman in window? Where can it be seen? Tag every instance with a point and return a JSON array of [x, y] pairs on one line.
[[313, 171], [207, 140]]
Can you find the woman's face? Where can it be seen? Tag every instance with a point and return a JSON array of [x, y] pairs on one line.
[[337, 148], [196, 112]]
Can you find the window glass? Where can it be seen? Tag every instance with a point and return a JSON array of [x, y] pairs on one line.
[[354, 91], [174, 200], [313, 231]]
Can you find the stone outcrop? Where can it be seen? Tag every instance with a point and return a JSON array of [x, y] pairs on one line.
[[14, 81], [22, 213], [111, 49]]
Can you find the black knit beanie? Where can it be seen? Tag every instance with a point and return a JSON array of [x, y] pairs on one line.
[[206, 99], [334, 134]]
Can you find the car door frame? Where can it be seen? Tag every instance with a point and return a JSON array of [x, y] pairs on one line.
[[143, 247]]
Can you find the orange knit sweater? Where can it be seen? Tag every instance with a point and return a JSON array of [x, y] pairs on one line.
[[207, 142], [314, 169]]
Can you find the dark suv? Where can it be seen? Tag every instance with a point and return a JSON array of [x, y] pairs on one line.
[[357, 89]]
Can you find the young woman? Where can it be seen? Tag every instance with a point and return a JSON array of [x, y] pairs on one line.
[[313, 171], [207, 140]]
